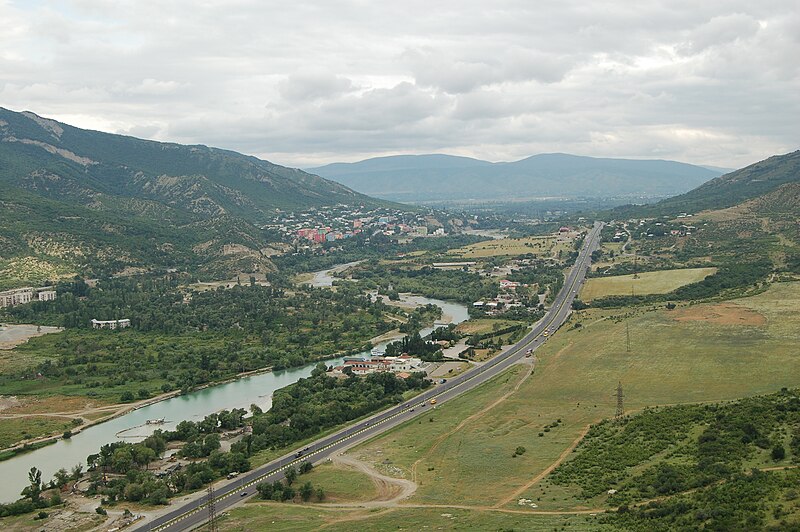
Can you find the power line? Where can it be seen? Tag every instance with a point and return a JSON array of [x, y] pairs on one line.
[[627, 338]]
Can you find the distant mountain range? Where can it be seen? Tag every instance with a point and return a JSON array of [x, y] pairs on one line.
[[414, 178], [73, 199]]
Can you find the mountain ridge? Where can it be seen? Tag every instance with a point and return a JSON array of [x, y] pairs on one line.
[[757, 180], [98, 203], [414, 178]]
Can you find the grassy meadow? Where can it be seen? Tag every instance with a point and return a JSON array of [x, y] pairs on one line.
[[485, 325], [658, 282], [294, 517], [695, 353], [543, 246]]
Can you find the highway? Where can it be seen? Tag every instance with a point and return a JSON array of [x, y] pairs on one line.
[[195, 513]]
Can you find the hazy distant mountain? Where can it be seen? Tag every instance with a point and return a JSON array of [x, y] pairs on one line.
[[73, 199], [748, 183], [440, 177]]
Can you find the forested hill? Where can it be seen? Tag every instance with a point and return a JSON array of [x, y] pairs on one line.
[[51, 158], [445, 177], [754, 181], [78, 200]]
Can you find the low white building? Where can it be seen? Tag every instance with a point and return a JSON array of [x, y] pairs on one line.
[[111, 324]]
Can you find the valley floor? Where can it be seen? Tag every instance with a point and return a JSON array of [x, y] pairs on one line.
[[464, 458]]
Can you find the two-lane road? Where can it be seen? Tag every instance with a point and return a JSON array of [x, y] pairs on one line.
[[195, 513]]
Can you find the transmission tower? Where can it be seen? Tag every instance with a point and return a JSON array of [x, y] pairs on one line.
[[635, 266], [620, 408], [212, 510]]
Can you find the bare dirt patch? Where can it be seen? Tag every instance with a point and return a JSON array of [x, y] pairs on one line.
[[722, 314], [14, 335], [8, 401], [53, 404], [389, 490]]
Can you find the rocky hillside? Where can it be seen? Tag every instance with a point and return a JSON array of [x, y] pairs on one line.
[[79, 201]]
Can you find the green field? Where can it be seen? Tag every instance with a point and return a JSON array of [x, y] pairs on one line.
[[536, 245], [484, 325], [13, 430], [294, 517], [340, 483], [660, 282], [692, 354]]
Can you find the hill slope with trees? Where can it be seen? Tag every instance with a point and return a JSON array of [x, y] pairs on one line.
[[80, 200]]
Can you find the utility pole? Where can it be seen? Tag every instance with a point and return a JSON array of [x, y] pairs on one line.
[[212, 510], [620, 408], [627, 338]]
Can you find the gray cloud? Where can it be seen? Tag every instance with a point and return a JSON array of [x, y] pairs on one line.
[[304, 83]]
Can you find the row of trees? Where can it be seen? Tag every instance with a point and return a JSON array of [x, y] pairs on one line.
[[303, 409]]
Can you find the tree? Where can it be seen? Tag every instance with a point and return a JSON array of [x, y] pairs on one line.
[[306, 467], [291, 475], [265, 490], [61, 477], [778, 452], [76, 472], [320, 494], [288, 493], [34, 490], [306, 491]]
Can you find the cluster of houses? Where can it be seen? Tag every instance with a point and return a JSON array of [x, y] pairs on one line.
[[329, 224], [506, 299], [403, 366], [20, 296]]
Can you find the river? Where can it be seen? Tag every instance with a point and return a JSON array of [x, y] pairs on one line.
[[241, 393]]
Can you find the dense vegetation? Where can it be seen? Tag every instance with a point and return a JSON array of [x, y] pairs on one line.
[[180, 339], [455, 285], [663, 452], [416, 346], [759, 500], [120, 471], [319, 402]]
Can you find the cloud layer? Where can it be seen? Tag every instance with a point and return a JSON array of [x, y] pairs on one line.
[[305, 83]]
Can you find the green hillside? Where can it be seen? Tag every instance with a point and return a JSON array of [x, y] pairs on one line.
[[730, 189], [83, 201]]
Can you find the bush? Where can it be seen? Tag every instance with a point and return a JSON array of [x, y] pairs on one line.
[[778, 452]]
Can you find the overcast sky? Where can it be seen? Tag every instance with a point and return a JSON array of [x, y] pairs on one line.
[[305, 83]]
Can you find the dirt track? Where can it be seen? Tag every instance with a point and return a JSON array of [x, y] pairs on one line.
[[390, 491]]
